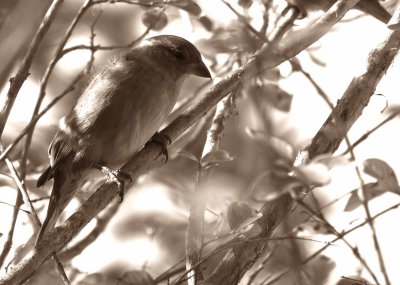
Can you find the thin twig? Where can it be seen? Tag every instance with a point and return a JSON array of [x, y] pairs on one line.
[[267, 6], [27, 201], [341, 236], [285, 23], [33, 122], [232, 268], [243, 20], [365, 203], [25, 197], [23, 71], [150, 156], [371, 222], [194, 233], [367, 134], [235, 243], [260, 267], [8, 243], [318, 252], [298, 67], [69, 89], [49, 70], [100, 47]]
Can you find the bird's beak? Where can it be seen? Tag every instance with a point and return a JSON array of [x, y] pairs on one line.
[[199, 69]]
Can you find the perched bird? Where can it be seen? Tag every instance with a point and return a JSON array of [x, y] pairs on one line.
[[372, 7], [120, 110]]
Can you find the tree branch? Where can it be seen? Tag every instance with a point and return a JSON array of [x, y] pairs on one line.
[[23, 72], [235, 263], [148, 158]]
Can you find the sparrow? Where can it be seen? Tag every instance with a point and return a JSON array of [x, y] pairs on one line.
[[119, 111]]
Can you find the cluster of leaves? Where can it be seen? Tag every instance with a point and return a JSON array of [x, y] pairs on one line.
[[156, 19]]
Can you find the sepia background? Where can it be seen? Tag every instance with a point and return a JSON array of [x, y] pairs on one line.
[[268, 122]]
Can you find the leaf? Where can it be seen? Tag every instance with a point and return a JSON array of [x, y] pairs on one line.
[[272, 74], [256, 134], [188, 155], [209, 48], [188, 5], [274, 95], [379, 169], [371, 192], [242, 218], [231, 39], [271, 184], [321, 269], [282, 148], [94, 279], [154, 18], [215, 157], [386, 182], [238, 212], [313, 174], [316, 60], [136, 277], [252, 229], [245, 3], [206, 22], [352, 280]]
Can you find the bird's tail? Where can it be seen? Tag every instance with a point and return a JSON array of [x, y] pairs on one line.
[[374, 8], [63, 191]]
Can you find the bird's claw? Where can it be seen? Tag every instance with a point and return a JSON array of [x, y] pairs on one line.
[[117, 176], [164, 141]]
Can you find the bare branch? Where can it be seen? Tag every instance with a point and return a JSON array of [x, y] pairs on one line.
[[23, 72], [194, 233], [147, 159]]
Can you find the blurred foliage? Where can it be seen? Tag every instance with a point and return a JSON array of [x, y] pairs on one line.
[[255, 163]]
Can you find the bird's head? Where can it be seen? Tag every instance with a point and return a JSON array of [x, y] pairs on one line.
[[172, 52]]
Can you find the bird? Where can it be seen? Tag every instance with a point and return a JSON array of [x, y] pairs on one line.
[[371, 7], [119, 111]]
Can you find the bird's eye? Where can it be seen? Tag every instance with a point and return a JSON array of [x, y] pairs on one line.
[[179, 54]]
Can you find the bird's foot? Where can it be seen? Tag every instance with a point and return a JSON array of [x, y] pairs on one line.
[[164, 141], [117, 176]]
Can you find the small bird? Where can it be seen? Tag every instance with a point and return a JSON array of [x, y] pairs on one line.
[[120, 110], [372, 7]]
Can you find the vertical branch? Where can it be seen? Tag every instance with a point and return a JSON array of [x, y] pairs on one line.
[[371, 224], [234, 265], [20, 178], [42, 92], [23, 72], [93, 48], [194, 233], [8, 243]]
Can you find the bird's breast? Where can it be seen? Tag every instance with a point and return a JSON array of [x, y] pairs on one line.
[[120, 111]]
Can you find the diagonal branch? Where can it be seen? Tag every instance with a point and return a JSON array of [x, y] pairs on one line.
[[148, 157], [23, 72]]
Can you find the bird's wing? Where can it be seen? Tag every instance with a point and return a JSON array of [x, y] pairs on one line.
[[60, 149]]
